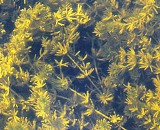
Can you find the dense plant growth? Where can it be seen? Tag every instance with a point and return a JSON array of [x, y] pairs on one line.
[[76, 65]]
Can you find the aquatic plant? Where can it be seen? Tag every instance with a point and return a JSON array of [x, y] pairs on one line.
[[79, 64]]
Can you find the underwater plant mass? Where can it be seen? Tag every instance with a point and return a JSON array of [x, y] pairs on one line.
[[79, 64]]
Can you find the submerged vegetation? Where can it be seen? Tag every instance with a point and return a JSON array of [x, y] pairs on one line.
[[79, 65]]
